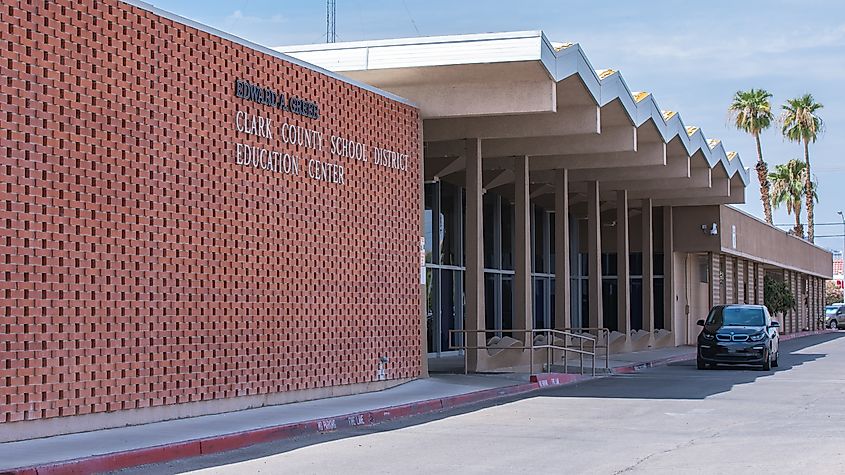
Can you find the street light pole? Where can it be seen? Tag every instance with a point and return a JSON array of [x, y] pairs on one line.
[[843, 254]]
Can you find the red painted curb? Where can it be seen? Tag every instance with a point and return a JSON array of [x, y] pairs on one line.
[[210, 445], [193, 448]]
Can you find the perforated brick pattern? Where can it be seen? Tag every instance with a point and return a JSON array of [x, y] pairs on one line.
[[141, 266]]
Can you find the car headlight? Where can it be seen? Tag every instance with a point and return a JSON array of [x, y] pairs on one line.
[[757, 337], [707, 336]]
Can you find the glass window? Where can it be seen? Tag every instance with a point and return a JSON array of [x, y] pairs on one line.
[[463, 228], [507, 235], [610, 303], [507, 305], [574, 302], [431, 308], [583, 264], [539, 239], [635, 263], [430, 190], [609, 265], [552, 322], [450, 224], [449, 301], [540, 303], [657, 261], [703, 269], [490, 298], [490, 206], [551, 243], [637, 304], [659, 322], [737, 316], [585, 305]]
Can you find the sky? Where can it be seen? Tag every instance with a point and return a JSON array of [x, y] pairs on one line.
[[692, 56]]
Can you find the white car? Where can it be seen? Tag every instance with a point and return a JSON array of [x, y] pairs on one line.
[[834, 316]]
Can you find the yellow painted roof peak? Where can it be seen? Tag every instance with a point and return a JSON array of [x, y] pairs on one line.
[[603, 73], [668, 114], [639, 96], [691, 129], [731, 155], [562, 46], [712, 143]]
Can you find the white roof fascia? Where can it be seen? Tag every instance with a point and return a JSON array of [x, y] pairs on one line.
[[648, 109], [516, 46], [414, 40], [421, 52], [613, 87], [571, 61], [263, 49]]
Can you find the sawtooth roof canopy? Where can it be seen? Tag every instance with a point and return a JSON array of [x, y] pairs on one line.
[[525, 96]]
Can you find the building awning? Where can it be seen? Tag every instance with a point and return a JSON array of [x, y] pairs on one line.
[[523, 95]]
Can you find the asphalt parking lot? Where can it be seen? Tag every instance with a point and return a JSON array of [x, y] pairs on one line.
[[671, 419]]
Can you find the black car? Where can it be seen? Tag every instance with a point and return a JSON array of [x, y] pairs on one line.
[[738, 334]]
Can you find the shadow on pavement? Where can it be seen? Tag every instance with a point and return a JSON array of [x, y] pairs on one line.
[[675, 381], [683, 380]]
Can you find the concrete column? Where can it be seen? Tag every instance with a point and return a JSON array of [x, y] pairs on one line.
[[648, 266], [563, 319], [715, 281], [623, 272], [668, 270], [474, 275], [594, 251], [422, 292], [728, 271], [523, 291]]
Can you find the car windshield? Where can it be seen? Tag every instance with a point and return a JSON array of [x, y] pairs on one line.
[[830, 310], [737, 317]]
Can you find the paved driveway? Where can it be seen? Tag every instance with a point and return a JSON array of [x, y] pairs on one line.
[[673, 419]]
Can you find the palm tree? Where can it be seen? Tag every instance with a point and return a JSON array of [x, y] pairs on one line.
[[802, 124], [752, 113], [788, 188]]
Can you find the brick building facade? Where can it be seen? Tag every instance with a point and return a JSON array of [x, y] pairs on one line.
[[168, 239]]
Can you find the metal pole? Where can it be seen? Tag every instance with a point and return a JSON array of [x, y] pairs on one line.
[[466, 355], [581, 354], [843, 253], [526, 336], [565, 354]]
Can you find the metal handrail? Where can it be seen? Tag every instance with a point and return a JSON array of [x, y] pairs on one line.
[[599, 332], [590, 340]]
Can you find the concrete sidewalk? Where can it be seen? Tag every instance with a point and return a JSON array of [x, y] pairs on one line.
[[112, 449]]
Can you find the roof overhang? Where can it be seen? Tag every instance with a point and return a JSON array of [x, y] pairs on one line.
[[524, 96]]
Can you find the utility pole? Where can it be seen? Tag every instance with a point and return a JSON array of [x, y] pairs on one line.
[[331, 33], [843, 253]]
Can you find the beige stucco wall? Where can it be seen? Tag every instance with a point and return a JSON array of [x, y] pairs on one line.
[[755, 240]]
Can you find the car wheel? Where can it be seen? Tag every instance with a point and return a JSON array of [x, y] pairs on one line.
[[700, 364], [775, 361], [767, 363], [833, 325]]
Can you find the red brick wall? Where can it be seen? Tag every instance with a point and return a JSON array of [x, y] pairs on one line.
[[141, 266]]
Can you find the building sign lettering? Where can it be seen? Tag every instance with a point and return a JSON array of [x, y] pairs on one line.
[[266, 96], [265, 129]]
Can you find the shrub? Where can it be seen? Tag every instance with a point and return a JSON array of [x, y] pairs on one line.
[[777, 296]]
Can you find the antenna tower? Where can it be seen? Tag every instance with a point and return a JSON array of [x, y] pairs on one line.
[[331, 33]]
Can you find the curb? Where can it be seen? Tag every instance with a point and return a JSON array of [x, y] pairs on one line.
[[226, 442]]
